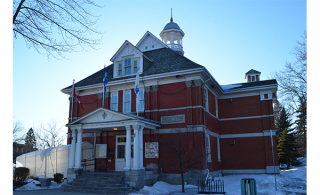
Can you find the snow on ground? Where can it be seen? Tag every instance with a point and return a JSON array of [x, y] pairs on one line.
[[32, 185], [289, 182]]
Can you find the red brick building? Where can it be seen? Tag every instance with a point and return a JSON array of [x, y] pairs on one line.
[[226, 127]]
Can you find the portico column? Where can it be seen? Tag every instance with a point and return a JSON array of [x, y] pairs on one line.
[[128, 148], [73, 147], [136, 148], [172, 40], [79, 148], [141, 147]]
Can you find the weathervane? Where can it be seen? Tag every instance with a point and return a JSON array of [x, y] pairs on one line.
[[171, 20]]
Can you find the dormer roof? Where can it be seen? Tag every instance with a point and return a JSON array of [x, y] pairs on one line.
[[123, 46], [145, 37]]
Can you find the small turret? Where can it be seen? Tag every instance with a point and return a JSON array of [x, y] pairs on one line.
[[252, 76]]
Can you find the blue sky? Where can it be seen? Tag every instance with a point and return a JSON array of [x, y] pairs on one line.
[[227, 37]]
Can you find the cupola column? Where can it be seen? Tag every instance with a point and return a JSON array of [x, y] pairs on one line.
[[172, 40], [165, 38], [179, 44]]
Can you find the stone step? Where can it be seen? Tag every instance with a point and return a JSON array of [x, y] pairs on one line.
[[101, 177], [99, 184], [103, 189], [118, 180]]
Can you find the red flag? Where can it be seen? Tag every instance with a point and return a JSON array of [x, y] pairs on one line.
[[76, 95]]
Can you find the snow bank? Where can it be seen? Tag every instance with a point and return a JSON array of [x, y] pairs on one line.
[[32, 185]]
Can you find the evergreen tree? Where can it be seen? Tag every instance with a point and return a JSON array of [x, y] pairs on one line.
[[301, 128], [30, 140], [282, 122], [287, 149]]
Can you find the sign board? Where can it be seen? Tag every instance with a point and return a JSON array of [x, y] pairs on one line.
[[151, 150], [101, 150], [173, 119]]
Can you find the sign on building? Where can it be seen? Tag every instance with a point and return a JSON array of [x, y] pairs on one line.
[[152, 150]]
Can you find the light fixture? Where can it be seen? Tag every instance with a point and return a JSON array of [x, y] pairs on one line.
[[115, 128]]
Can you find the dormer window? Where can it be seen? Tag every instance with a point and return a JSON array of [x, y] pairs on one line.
[[128, 66], [120, 69]]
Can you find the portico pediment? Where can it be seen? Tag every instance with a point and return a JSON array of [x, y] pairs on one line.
[[101, 115], [103, 118]]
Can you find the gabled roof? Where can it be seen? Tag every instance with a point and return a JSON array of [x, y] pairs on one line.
[[240, 86], [126, 42], [164, 60], [149, 34]]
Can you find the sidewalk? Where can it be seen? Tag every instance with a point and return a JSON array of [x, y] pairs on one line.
[[47, 191]]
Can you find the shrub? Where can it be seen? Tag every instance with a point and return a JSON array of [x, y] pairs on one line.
[[21, 174], [58, 177]]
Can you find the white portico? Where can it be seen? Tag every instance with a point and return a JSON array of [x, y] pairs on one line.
[[103, 119]]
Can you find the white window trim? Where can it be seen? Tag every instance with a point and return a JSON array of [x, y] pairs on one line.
[[123, 65], [216, 103], [218, 149], [206, 99], [111, 103], [141, 101], [208, 148], [124, 101]]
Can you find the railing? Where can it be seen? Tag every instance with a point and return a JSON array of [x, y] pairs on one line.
[[175, 46], [87, 162], [211, 187]]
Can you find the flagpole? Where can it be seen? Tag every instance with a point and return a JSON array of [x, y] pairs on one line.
[[103, 88], [138, 99], [72, 99]]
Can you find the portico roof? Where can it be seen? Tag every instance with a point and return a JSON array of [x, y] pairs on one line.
[[106, 119]]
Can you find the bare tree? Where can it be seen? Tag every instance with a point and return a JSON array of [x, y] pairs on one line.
[[178, 154], [50, 135], [18, 131], [55, 26], [292, 80]]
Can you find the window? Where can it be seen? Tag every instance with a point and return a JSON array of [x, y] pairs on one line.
[[216, 101], [120, 69], [253, 78], [127, 66], [141, 103], [218, 148], [206, 99], [135, 66], [127, 101], [208, 148], [114, 101], [146, 47]]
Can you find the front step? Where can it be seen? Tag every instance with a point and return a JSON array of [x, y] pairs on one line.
[[99, 183]]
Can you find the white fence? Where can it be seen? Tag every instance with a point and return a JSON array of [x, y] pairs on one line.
[[56, 162]]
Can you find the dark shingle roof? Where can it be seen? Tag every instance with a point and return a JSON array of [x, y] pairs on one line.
[[252, 71], [164, 60], [250, 84]]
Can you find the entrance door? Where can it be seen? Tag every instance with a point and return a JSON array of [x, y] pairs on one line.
[[121, 152]]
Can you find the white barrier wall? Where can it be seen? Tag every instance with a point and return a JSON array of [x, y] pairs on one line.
[[57, 162]]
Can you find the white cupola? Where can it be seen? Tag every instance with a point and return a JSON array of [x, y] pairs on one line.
[[172, 35], [252, 76]]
